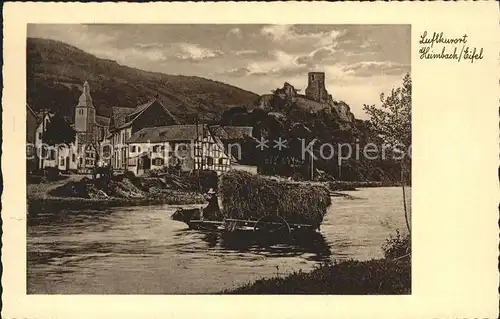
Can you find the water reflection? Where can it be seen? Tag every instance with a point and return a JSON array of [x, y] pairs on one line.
[[142, 250], [70, 218], [312, 244]]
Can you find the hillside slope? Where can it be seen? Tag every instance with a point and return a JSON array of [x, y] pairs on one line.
[[56, 72]]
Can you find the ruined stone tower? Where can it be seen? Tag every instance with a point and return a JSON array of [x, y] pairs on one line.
[[316, 90]]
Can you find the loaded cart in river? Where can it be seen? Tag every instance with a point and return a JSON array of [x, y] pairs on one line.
[[253, 203]]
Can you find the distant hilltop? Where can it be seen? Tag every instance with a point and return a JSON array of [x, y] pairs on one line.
[[56, 71], [316, 99]]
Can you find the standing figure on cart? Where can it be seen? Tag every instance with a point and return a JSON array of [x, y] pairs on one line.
[[212, 211]]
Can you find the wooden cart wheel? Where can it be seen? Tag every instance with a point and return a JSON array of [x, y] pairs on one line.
[[272, 224]]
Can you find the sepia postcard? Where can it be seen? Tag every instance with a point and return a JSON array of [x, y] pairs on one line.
[[185, 160]]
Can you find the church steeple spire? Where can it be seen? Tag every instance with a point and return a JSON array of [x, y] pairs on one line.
[[85, 99], [85, 111], [86, 87]]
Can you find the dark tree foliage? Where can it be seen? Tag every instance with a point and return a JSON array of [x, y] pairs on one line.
[[58, 131], [393, 120]]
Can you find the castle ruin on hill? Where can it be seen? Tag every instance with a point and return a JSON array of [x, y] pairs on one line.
[[316, 90]]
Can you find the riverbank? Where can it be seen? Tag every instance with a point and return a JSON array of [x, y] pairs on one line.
[[390, 275], [353, 185], [373, 277], [73, 193], [80, 192], [335, 186], [57, 203]]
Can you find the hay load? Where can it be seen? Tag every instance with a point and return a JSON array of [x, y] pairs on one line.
[[248, 196]]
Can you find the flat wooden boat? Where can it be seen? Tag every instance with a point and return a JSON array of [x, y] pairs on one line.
[[267, 224]]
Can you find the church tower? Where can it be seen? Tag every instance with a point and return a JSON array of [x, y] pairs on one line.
[[85, 114]]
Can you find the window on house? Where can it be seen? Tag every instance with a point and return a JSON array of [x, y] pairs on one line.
[[73, 157], [221, 161], [210, 160], [132, 148], [61, 161], [157, 148], [39, 135], [158, 161], [52, 155], [106, 150]]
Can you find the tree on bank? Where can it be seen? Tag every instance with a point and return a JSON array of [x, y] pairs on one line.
[[392, 122], [58, 132]]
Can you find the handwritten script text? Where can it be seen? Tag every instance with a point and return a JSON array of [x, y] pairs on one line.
[[439, 46]]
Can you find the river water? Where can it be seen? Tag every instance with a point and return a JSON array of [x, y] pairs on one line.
[[140, 250]]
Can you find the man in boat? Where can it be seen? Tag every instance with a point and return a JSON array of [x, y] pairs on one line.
[[212, 211]]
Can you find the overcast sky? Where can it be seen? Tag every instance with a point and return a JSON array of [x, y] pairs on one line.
[[360, 61]]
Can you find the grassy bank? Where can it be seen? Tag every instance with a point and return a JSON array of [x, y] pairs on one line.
[[390, 275], [56, 203], [45, 196], [351, 186], [378, 276], [336, 186]]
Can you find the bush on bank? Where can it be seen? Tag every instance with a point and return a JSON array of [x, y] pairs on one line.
[[381, 276], [390, 275]]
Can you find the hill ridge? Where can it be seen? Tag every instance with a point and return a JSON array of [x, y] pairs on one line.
[[57, 70]]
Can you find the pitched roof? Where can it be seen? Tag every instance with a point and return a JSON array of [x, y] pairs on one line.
[[218, 131], [126, 116], [141, 108], [238, 132], [119, 114], [166, 134], [231, 132], [29, 109], [102, 120]]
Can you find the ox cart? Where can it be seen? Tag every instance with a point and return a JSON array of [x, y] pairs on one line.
[[271, 224]]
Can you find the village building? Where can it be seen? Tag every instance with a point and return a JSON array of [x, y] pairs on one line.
[[31, 127], [64, 157], [125, 122], [137, 140], [185, 148], [82, 155], [233, 138], [91, 130]]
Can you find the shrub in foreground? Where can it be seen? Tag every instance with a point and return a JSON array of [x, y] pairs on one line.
[[391, 275], [397, 246], [381, 276]]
